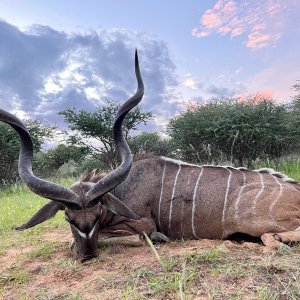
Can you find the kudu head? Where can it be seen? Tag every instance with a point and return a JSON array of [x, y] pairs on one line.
[[86, 202]]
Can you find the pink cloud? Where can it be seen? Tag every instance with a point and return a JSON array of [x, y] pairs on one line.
[[237, 31], [267, 93], [218, 5], [276, 80], [230, 8], [200, 34], [210, 19], [260, 21], [258, 41]]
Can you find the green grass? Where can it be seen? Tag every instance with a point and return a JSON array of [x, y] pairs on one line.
[[43, 252], [265, 293], [210, 256], [18, 204], [289, 165]]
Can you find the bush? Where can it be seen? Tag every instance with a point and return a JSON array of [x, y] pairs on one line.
[[236, 131]]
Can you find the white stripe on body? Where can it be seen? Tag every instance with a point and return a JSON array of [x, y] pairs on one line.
[[239, 197], [194, 204], [259, 192], [172, 197], [182, 205], [226, 197], [278, 196], [161, 193]]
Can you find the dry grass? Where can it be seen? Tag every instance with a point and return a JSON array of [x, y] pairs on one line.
[[44, 268]]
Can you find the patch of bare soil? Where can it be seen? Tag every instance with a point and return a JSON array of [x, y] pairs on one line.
[[205, 269]]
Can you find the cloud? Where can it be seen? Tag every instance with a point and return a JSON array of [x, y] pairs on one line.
[[43, 71], [261, 21], [191, 82], [220, 92]]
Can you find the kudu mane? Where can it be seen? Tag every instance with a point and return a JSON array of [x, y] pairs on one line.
[[262, 170], [92, 176]]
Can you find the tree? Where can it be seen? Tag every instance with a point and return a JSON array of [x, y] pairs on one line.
[[48, 163], [151, 143], [98, 125], [239, 131], [10, 146]]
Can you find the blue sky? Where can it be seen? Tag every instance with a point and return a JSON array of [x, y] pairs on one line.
[[55, 54]]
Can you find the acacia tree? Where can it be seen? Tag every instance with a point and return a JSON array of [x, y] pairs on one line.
[[10, 146], [239, 131], [97, 125]]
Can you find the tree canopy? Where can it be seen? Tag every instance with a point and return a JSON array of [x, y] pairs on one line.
[[151, 143], [98, 125], [10, 146], [235, 130]]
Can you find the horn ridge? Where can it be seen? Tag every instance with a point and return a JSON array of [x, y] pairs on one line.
[[118, 175]]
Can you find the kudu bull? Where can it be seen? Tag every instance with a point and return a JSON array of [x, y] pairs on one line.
[[165, 197], [88, 204]]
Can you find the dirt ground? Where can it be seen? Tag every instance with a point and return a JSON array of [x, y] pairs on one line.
[[205, 269]]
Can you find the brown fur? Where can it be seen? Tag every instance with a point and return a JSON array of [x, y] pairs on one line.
[[92, 176], [269, 201]]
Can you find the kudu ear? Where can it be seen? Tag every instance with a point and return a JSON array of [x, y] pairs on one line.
[[45, 213], [118, 207]]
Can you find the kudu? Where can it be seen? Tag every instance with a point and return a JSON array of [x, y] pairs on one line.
[[215, 202], [165, 197], [181, 200], [88, 204]]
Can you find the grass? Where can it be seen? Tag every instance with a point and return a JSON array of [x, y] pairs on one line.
[[217, 273], [41, 266], [44, 252], [289, 165], [265, 293], [16, 276], [18, 204]]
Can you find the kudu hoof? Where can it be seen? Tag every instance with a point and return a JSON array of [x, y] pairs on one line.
[[158, 237]]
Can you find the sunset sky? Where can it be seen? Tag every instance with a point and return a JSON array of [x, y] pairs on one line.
[[55, 54]]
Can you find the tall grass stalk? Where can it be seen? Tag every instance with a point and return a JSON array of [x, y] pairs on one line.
[[149, 242]]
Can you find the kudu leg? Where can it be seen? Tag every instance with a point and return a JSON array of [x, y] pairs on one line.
[[276, 241], [134, 240], [126, 228]]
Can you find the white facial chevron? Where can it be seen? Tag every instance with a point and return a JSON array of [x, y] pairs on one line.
[[84, 235]]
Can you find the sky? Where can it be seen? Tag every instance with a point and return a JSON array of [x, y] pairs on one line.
[[58, 54]]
